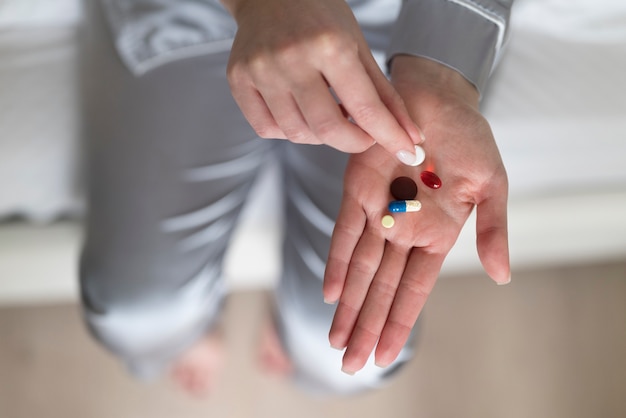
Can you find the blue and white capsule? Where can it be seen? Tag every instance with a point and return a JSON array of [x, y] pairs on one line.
[[405, 206]]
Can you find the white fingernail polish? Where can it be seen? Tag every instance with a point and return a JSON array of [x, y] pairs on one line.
[[420, 155]]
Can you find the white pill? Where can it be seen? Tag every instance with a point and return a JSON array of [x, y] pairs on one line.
[[420, 156]]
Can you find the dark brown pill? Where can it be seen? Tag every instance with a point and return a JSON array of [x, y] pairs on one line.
[[403, 188]]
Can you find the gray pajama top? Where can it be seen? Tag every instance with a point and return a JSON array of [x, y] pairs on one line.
[[466, 35]]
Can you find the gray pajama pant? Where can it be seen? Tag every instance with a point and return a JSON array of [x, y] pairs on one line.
[[170, 163]]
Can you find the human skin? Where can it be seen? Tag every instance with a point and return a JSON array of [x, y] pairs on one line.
[[285, 56], [382, 277]]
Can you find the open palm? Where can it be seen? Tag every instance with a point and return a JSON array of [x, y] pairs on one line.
[[382, 277]]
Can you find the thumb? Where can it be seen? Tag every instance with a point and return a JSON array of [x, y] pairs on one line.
[[492, 239]]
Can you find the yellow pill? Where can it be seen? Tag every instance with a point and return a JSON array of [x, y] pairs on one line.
[[387, 221]]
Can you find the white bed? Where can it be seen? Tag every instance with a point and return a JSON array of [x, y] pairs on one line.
[[557, 105]]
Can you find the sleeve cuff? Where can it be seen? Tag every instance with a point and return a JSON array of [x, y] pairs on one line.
[[463, 35]]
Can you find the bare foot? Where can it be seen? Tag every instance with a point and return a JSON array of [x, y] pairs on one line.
[[197, 370], [272, 356]]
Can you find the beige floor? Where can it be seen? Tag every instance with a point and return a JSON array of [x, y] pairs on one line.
[[552, 344]]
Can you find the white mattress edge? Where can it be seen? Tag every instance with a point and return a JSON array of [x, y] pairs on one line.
[[39, 264]]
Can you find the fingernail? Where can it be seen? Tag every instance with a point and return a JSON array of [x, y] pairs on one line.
[[329, 302], [412, 159], [334, 347], [422, 136], [507, 282], [347, 372], [382, 366]]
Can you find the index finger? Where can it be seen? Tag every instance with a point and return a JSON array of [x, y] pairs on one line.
[[375, 106], [348, 230]]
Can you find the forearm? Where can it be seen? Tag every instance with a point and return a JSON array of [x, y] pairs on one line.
[[466, 35]]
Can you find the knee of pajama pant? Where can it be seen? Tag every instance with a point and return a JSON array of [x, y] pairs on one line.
[[317, 366], [148, 334], [313, 192], [303, 321]]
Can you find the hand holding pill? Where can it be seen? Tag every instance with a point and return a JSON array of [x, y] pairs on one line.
[[287, 80], [381, 271]]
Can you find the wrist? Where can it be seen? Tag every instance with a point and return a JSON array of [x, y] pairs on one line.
[[428, 77]]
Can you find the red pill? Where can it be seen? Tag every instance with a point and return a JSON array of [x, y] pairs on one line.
[[430, 179]]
